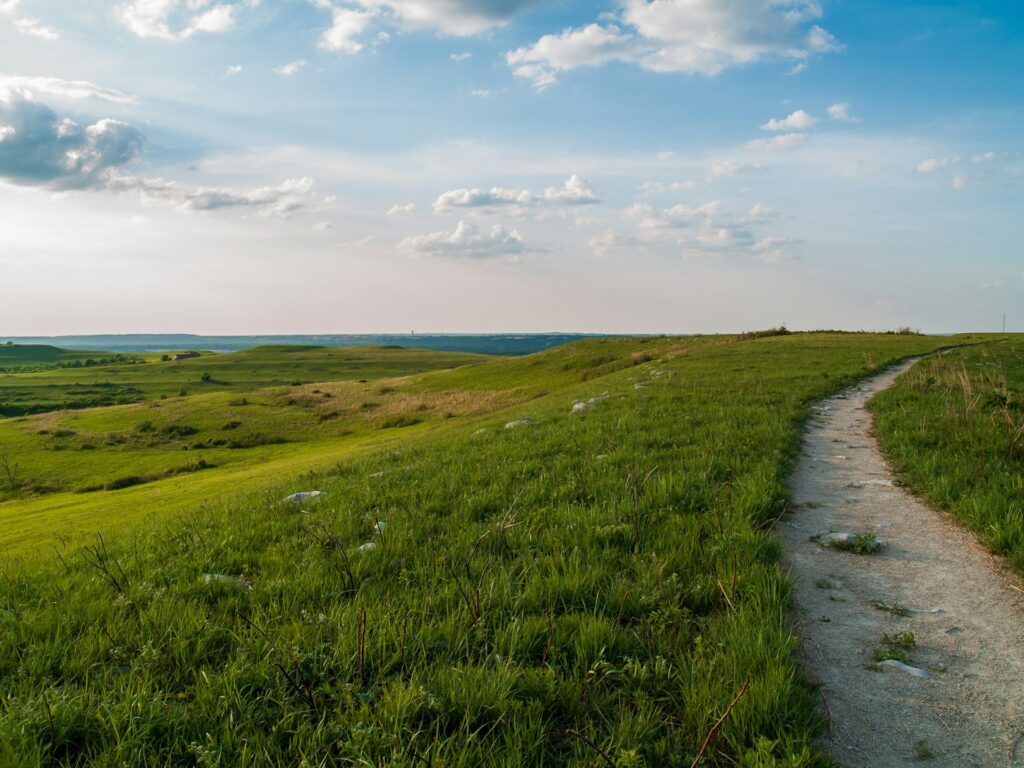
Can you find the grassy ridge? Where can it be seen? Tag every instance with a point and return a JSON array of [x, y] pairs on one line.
[[953, 428], [584, 582], [50, 389]]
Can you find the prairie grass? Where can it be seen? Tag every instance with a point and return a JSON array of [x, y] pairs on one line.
[[953, 428], [582, 589]]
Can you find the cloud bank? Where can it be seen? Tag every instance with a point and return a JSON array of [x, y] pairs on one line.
[[701, 37]]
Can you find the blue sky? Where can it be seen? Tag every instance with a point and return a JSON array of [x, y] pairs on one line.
[[254, 166]]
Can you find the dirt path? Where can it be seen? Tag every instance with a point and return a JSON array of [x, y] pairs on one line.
[[965, 609]]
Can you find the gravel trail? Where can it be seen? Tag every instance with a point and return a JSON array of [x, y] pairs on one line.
[[932, 579]]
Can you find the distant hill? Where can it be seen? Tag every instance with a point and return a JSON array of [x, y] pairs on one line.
[[490, 344], [31, 355]]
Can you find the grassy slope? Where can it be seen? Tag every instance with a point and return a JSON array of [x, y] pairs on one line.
[[293, 429], [953, 427], [40, 356], [610, 574], [244, 371]]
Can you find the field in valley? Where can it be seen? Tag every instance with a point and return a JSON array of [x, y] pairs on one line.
[[559, 559]]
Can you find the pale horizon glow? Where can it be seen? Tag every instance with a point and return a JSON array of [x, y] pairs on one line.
[[630, 166]]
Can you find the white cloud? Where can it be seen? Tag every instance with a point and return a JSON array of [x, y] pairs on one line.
[[987, 157], [960, 181], [323, 226], [797, 121], [482, 93], [346, 26], [281, 201], [732, 168], [449, 17], [841, 112], [797, 68], [693, 36], [589, 46], [41, 149], [784, 141], [467, 241], [574, 192], [697, 232], [176, 20], [24, 24], [287, 70], [68, 89], [402, 209], [233, 69], [761, 212], [933, 164]]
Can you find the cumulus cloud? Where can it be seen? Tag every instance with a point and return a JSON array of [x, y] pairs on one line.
[[960, 181], [24, 24], [841, 112], [402, 209], [68, 89], [574, 192], [693, 36], [41, 149], [176, 20], [282, 201], [291, 68], [346, 25], [467, 241], [350, 20], [987, 157], [697, 232], [461, 56], [797, 121], [450, 17], [38, 148], [761, 212], [234, 69]]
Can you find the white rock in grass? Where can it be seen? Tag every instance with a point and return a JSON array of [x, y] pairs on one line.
[[367, 547], [579, 406], [519, 423], [894, 664], [379, 527], [301, 496]]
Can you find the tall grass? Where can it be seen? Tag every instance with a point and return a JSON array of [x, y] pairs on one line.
[[953, 426], [580, 590]]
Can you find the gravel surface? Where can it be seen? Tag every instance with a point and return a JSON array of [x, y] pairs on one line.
[[932, 579]]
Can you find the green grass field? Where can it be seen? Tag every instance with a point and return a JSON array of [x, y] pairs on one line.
[[953, 428], [593, 586], [50, 386]]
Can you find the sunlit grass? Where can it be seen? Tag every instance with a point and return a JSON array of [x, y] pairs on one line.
[[605, 580]]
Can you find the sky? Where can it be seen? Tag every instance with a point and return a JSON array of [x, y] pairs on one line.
[[633, 166]]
